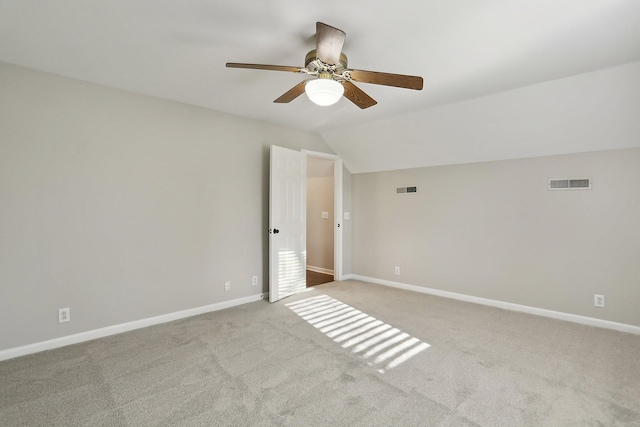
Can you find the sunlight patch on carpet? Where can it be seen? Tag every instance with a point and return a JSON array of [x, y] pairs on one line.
[[380, 344]]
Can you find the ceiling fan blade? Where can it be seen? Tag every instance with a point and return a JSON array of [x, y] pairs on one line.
[[354, 94], [329, 43], [387, 79], [292, 93], [264, 67]]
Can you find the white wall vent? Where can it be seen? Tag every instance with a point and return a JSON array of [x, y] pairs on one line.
[[570, 184], [407, 190]]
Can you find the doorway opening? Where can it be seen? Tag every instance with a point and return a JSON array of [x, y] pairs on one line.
[[287, 220], [323, 215]]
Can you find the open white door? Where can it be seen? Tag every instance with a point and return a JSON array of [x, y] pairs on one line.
[[287, 223]]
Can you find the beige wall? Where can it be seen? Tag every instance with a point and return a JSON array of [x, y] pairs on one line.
[[493, 230], [320, 230], [124, 207]]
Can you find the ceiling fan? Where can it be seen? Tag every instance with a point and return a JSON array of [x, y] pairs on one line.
[[331, 77]]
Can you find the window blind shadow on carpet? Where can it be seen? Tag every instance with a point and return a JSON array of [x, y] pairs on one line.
[[379, 344]]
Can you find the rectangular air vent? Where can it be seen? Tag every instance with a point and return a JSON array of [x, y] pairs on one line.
[[570, 184], [407, 190]]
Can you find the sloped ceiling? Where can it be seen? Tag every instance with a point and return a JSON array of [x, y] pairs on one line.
[[503, 79]]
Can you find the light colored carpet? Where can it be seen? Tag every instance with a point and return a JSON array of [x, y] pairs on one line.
[[319, 358]]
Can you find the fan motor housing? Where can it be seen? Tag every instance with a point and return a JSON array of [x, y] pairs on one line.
[[313, 64]]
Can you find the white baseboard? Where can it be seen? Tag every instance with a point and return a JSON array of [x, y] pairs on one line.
[[607, 324], [123, 327], [320, 270]]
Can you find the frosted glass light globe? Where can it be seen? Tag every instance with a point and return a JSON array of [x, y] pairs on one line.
[[324, 92]]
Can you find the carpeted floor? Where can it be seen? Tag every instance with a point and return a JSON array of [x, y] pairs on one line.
[[340, 354]]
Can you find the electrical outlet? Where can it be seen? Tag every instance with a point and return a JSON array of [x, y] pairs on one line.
[[254, 281], [64, 315], [398, 270], [227, 285], [598, 300]]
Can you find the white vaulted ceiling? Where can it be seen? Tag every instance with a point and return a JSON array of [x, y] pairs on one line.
[[503, 79]]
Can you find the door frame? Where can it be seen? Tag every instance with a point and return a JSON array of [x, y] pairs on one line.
[[338, 224]]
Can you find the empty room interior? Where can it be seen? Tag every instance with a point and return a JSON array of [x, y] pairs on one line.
[[332, 213]]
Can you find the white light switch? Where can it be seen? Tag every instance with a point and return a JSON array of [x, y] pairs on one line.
[[346, 215], [325, 214]]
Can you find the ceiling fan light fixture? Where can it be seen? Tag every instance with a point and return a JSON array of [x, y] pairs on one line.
[[333, 79], [324, 91]]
